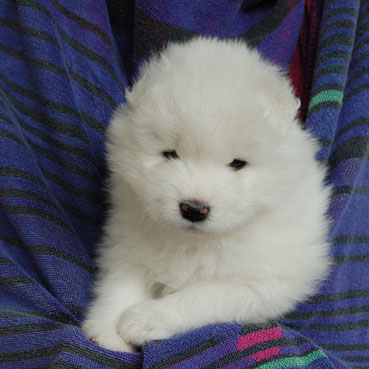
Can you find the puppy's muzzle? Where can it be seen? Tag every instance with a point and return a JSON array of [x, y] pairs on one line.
[[194, 211]]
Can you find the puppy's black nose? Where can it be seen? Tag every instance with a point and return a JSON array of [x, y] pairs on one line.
[[194, 211]]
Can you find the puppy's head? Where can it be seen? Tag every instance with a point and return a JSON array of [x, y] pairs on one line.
[[205, 142]]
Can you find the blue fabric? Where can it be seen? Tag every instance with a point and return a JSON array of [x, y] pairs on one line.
[[64, 67]]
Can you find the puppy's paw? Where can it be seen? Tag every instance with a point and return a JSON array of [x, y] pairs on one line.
[[144, 322], [106, 338]]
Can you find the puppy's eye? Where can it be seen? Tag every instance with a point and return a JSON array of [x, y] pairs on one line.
[[237, 164], [170, 154]]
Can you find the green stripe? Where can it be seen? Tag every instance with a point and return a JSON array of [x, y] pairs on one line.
[[294, 361], [324, 96]]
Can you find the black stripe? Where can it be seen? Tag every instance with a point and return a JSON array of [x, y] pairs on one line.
[[61, 162], [57, 125], [98, 92], [67, 347], [338, 69], [355, 123], [29, 31], [339, 11], [22, 142], [360, 58], [61, 364], [176, 358], [350, 239], [337, 39], [18, 173], [349, 190], [49, 250], [325, 105], [92, 122], [357, 48], [10, 136], [351, 259], [357, 359], [68, 148], [36, 212], [42, 64], [57, 317], [76, 151], [55, 68], [79, 20], [356, 91], [30, 328], [54, 105], [65, 147], [345, 347], [304, 315], [75, 18], [81, 215], [346, 295], [69, 187], [31, 195], [327, 86], [356, 76], [59, 145], [15, 281], [269, 23], [28, 195], [83, 50], [251, 328], [334, 54], [353, 148], [362, 27], [336, 327], [89, 54], [73, 168], [344, 23]]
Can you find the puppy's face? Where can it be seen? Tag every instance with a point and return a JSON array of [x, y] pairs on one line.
[[197, 157]]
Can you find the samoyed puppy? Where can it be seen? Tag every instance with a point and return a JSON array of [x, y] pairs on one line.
[[217, 204]]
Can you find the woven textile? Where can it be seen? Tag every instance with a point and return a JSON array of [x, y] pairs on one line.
[[64, 67]]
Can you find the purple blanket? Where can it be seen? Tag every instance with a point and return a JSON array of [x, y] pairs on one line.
[[64, 67]]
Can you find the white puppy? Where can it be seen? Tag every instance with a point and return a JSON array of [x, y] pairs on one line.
[[217, 203]]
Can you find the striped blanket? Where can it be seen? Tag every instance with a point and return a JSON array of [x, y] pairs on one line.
[[64, 66]]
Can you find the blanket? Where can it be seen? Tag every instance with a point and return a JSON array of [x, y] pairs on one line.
[[64, 67]]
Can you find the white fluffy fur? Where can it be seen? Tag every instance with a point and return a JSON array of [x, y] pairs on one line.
[[263, 247]]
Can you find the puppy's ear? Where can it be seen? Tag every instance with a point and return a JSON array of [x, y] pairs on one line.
[[279, 103], [281, 111], [119, 131]]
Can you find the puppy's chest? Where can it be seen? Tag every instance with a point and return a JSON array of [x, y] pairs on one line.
[[176, 270]]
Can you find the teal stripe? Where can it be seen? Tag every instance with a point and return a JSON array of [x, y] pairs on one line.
[[324, 96], [293, 361]]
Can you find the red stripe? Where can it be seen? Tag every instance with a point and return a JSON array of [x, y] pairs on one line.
[[266, 354], [254, 338]]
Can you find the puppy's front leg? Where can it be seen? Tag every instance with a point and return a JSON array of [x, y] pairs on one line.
[[202, 304], [115, 291]]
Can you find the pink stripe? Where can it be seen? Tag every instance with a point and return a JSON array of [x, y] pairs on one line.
[[258, 337], [265, 354]]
